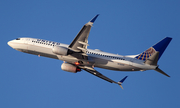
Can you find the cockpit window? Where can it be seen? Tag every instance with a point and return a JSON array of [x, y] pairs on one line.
[[18, 39]]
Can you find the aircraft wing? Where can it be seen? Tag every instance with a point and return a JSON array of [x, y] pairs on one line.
[[80, 42], [98, 74]]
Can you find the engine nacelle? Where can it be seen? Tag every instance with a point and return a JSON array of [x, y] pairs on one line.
[[70, 68], [60, 50]]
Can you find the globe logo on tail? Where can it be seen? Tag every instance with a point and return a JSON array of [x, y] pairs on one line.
[[146, 54]]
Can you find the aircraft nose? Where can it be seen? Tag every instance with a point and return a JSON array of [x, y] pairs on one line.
[[10, 43]]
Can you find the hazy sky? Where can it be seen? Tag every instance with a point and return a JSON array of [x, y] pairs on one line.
[[124, 26]]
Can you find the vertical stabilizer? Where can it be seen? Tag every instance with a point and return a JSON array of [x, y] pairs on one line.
[[159, 47], [162, 45], [152, 60]]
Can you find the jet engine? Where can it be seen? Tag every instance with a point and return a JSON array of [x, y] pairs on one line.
[[60, 50], [70, 68]]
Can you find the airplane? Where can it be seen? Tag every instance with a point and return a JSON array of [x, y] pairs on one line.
[[78, 57]]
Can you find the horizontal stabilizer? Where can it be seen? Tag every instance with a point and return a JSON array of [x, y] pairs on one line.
[[160, 71]]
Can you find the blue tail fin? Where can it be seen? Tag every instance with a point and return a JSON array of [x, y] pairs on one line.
[[160, 47]]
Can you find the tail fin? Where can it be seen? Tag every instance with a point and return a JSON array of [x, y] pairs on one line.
[[159, 47]]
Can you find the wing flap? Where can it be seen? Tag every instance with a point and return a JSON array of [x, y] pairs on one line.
[[82, 49], [83, 43]]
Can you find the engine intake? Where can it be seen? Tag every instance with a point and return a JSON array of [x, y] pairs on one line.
[[60, 50], [70, 68]]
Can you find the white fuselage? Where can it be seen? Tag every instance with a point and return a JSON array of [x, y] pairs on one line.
[[96, 58]]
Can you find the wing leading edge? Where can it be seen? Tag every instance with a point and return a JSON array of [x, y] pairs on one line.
[[98, 74], [80, 42]]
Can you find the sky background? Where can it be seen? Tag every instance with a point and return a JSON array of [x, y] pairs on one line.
[[125, 27]]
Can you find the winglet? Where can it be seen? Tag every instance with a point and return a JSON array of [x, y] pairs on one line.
[[93, 20], [121, 81]]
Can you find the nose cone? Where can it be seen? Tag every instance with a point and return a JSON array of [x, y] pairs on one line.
[[10, 43], [17, 44]]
